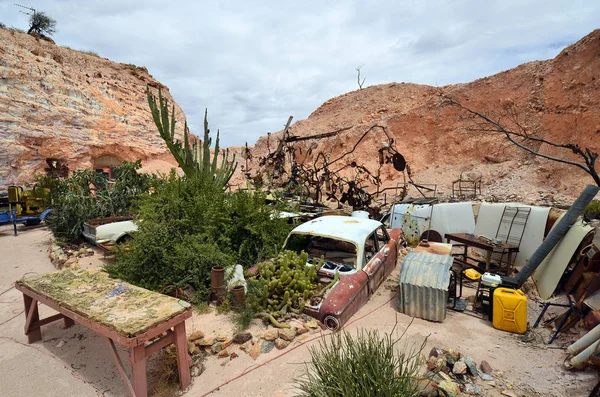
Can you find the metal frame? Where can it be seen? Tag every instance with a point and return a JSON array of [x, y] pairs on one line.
[[472, 184], [139, 351], [511, 217]]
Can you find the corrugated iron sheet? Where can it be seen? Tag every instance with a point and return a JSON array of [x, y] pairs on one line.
[[424, 280]]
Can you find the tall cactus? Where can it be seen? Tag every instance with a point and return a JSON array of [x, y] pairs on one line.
[[194, 159]]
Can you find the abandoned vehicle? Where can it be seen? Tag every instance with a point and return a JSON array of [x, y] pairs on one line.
[[361, 251]]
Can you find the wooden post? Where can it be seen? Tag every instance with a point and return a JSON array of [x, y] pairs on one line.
[[137, 357], [31, 318], [183, 363]]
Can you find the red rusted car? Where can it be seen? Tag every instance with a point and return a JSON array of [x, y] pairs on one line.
[[361, 250]]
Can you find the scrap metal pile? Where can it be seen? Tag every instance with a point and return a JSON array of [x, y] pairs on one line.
[[340, 180]]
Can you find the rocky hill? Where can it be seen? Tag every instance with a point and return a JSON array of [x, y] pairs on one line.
[[65, 108], [560, 97]]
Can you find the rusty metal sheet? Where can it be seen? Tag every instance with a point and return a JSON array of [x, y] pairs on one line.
[[424, 281]]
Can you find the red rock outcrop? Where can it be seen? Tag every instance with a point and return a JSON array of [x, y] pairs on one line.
[[57, 103], [561, 96]]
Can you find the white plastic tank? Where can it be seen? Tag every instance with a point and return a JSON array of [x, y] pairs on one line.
[[360, 214]]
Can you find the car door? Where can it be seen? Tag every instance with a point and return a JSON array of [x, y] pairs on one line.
[[374, 262], [387, 246]]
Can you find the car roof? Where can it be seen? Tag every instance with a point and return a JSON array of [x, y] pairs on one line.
[[341, 227]]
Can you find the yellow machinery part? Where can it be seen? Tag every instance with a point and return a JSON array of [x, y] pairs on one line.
[[472, 274], [510, 310]]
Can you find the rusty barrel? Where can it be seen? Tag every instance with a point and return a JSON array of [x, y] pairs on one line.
[[217, 284], [238, 296]]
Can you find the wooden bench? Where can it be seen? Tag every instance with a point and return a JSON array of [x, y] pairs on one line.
[[142, 320]]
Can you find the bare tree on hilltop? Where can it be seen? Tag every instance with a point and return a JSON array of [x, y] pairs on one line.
[[510, 123], [41, 24]]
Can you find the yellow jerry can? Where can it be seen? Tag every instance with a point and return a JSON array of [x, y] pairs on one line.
[[510, 310]]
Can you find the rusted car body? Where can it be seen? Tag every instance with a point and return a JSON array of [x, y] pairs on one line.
[[361, 251]]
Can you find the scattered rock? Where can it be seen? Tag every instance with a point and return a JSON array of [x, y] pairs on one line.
[[217, 347], [70, 262], [459, 368], [196, 335], [435, 352], [287, 334], [486, 367], [197, 370], [267, 346], [485, 377], [243, 337], [452, 389], [227, 343], [271, 334], [508, 393], [255, 350], [471, 365], [281, 343], [61, 343], [205, 341], [300, 331], [223, 353], [436, 363], [193, 349], [233, 355], [453, 353], [471, 388], [245, 347], [221, 338]]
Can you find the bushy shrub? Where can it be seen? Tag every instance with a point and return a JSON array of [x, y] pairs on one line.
[[370, 364], [86, 195], [187, 226]]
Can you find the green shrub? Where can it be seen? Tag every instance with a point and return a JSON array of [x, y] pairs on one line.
[[86, 195], [187, 226], [370, 364], [592, 211]]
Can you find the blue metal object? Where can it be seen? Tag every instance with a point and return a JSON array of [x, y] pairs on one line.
[[9, 217]]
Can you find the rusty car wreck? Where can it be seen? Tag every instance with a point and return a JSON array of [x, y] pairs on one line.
[[360, 251]]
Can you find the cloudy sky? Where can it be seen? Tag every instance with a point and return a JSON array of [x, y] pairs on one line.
[[254, 63]]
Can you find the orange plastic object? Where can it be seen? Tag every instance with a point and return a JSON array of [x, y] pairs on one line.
[[510, 310]]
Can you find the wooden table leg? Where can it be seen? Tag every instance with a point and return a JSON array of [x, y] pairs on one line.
[[488, 261], [68, 322], [137, 357], [182, 356], [31, 317]]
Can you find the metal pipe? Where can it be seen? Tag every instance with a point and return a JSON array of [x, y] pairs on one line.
[[582, 358], [557, 233], [586, 340]]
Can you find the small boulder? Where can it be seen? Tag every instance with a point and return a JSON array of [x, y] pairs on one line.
[[435, 352], [70, 262], [227, 343], [471, 365], [223, 353], [287, 334], [243, 337], [245, 347], [255, 350], [205, 341], [486, 367], [471, 388], [281, 343], [271, 334], [266, 346], [312, 324], [221, 338], [196, 335], [452, 389], [233, 355], [460, 368], [193, 349], [300, 330], [217, 347], [485, 377]]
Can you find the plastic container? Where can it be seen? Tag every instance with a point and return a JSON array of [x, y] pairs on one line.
[[473, 274], [510, 310], [491, 280]]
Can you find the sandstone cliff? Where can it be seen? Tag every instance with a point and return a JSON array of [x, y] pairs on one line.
[[74, 108], [561, 96]]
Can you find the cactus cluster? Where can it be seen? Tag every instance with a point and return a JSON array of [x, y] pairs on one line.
[[285, 285]]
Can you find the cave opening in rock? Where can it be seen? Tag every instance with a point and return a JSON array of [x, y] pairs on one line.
[[106, 164]]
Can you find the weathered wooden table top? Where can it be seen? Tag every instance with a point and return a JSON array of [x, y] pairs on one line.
[[127, 309]]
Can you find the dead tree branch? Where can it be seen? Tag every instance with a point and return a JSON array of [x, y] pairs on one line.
[[360, 83], [523, 137]]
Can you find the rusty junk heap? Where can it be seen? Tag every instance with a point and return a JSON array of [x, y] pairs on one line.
[[320, 177]]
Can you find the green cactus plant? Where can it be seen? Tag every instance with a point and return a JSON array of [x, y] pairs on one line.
[[194, 159]]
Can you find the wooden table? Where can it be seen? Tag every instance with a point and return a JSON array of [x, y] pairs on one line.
[[121, 312], [471, 240]]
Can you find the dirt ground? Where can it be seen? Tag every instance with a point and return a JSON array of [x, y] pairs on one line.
[[76, 361]]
